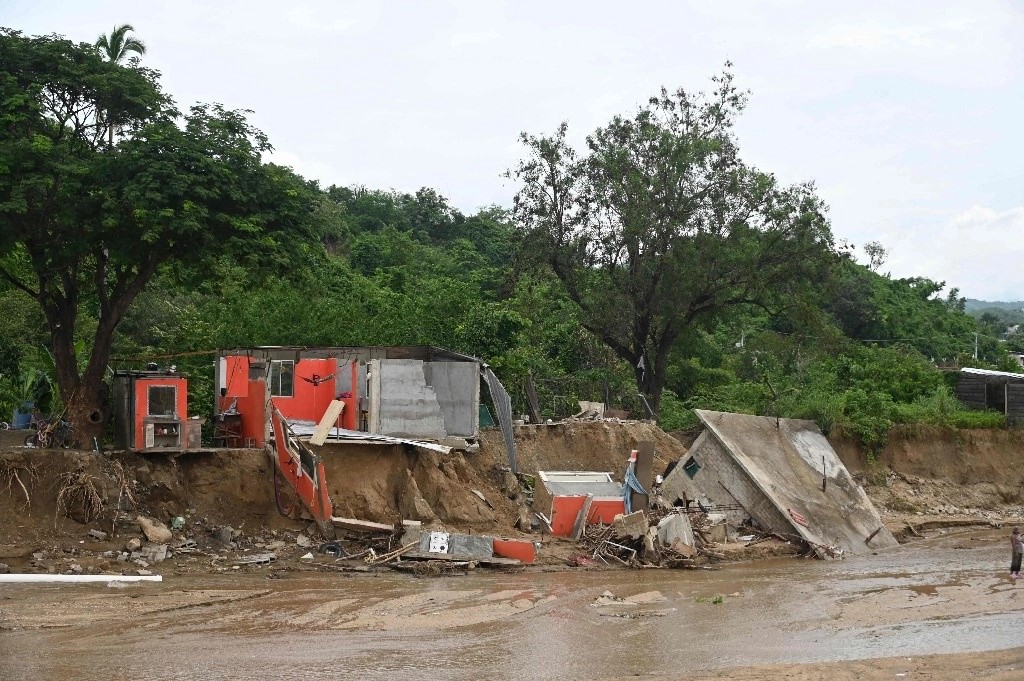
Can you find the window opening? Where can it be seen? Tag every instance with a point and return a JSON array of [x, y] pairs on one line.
[[282, 377], [163, 400]]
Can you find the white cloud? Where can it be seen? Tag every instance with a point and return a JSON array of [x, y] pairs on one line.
[[980, 251]]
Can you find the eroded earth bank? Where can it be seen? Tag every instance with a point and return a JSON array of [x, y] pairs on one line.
[[948, 495]]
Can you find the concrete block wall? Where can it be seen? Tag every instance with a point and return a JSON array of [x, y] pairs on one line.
[[406, 405], [457, 387], [726, 483]]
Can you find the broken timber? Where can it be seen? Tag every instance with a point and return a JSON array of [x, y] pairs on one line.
[[355, 525]]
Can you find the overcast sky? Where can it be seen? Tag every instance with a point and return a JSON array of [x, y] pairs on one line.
[[907, 115]]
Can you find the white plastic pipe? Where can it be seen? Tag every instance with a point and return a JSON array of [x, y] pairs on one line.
[[75, 579]]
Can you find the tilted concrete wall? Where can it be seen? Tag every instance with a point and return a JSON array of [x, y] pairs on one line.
[[726, 483]]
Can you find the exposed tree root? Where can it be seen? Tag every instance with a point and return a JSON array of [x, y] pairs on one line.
[[78, 492]]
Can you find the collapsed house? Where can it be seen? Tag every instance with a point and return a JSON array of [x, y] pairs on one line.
[[374, 394], [784, 476]]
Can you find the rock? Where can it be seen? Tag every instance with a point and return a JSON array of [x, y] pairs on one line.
[[225, 534], [154, 530], [308, 556], [646, 597], [133, 545], [98, 534], [141, 563], [411, 504], [276, 545], [143, 573], [5, 569], [509, 484], [303, 541], [177, 523], [75, 569], [526, 519]]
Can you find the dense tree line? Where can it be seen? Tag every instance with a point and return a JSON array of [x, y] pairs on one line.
[[655, 270]]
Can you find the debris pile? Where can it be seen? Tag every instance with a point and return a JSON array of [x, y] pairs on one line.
[[669, 538]]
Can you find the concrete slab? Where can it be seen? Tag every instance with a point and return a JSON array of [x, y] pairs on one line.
[[675, 529], [786, 460]]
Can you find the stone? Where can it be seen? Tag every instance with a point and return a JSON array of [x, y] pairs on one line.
[[133, 545], [646, 597], [526, 519], [155, 531], [509, 484], [308, 556], [74, 569], [303, 541], [411, 504], [225, 534], [99, 535], [143, 573], [5, 569], [633, 525]]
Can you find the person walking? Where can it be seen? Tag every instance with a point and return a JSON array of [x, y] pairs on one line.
[[1017, 547]]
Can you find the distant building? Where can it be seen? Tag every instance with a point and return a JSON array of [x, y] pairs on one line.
[[1000, 391]]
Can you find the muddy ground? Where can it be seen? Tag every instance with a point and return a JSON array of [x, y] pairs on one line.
[[71, 512], [884, 616]]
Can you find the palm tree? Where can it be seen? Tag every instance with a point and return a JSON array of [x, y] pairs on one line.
[[116, 47], [118, 44]]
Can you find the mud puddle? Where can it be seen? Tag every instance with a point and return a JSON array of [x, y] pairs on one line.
[[918, 599]]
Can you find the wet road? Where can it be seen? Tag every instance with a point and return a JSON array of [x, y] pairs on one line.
[[943, 595]]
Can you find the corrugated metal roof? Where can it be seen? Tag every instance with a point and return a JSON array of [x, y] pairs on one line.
[[990, 372]]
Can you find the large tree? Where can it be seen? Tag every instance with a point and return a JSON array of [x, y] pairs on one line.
[[85, 225], [659, 226]]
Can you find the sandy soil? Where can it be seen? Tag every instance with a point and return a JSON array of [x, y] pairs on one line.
[[998, 665]]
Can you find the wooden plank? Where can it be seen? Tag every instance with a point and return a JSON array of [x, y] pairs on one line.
[[644, 474], [327, 422], [361, 525], [581, 519]]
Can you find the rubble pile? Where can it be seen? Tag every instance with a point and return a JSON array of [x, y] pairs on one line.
[[669, 538]]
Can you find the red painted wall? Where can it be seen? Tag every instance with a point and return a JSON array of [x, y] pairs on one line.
[[142, 386], [564, 511], [307, 403]]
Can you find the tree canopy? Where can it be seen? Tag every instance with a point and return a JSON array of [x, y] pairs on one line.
[[87, 225], [660, 226]]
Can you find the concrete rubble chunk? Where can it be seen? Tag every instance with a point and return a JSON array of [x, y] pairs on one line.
[[675, 529], [303, 541], [154, 553], [98, 534], [5, 569], [633, 525], [155, 531], [133, 545]]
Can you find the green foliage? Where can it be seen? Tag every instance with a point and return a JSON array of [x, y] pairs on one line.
[[660, 228]]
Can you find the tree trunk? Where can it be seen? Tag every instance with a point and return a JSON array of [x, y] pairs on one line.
[[86, 412]]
